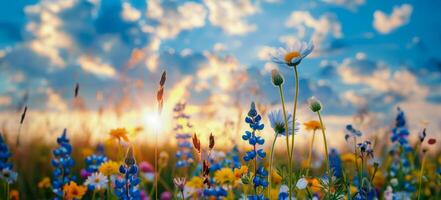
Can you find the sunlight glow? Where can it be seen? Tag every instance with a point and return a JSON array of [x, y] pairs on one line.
[[153, 122]]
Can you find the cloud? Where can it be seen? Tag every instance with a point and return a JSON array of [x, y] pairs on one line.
[[265, 52], [172, 21], [400, 16], [55, 101], [96, 66], [129, 13], [323, 27], [5, 100], [354, 98], [350, 4], [378, 77], [230, 15]]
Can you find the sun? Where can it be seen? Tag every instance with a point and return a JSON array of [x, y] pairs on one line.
[[153, 121]]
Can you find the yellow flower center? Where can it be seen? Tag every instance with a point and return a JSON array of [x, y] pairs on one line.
[[290, 55]]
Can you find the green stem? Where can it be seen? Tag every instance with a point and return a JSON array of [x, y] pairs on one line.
[[7, 190], [287, 140], [310, 153], [156, 166], [94, 194], [271, 166], [421, 176], [291, 163], [326, 151], [108, 188]]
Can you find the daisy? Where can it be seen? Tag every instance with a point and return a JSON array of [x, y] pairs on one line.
[[97, 180], [278, 123], [293, 55], [8, 175]]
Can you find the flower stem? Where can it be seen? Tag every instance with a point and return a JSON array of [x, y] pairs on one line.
[[156, 166], [326, 151], [287, 140], [291, 160], [310, 153], [421, 176], [271, 166]]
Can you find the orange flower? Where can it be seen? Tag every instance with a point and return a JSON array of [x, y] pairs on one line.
[[276, 178], [73, 191], [312, 125], [14, 195], [119, 133], [44, 183], [314, 185], [239, 172]]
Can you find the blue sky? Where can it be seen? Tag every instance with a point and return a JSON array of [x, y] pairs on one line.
[[371, 55]]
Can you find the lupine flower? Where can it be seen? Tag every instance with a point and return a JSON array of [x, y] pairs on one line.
[[278, 123], [215, 192], [94, 161], [293, 55], [63, 164], [335, 163], [184, 153], [96, 181], [283, 192], [126, 188], [73, 191], [7, 174], [314, 104], [400, 131]]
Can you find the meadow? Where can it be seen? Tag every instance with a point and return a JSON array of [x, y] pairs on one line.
[[241, 161]]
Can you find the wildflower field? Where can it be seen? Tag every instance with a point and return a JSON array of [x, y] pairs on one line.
[[134, 100]]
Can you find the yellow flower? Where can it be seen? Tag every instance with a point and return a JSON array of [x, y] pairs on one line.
[[14, 195], [119, 133], [353, 189], [44, 183], [163, 159], [196, 182], [312, 125], [276, 178], [73, 191], [109, 168], [224, 175], [239, 172]]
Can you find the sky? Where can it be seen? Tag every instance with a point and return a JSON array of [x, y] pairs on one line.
[[369, 56]]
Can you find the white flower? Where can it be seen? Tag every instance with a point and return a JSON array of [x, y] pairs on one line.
[[394, 182], [302, 183], [293, 55], [8, 175], [283, 189], [388, 194], [278, 123], [97, 180]]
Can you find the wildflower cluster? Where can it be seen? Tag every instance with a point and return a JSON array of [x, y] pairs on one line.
[[63, 163], [6, 172], [184, 153]]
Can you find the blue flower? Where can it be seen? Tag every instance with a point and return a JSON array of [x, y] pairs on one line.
[[217, 192], [93, 162], [184, 152], [352, 132], [278, 123], [126, 188], [63, 164], [335, 163], [5, 154]]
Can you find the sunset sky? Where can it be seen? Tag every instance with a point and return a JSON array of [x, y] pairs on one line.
[[372, 55]]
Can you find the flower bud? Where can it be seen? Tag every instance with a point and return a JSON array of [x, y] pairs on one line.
[[314, 104], [276, 77]]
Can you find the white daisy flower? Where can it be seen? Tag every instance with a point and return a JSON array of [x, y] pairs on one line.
[[97, 181], [293, 55], [302, 183]]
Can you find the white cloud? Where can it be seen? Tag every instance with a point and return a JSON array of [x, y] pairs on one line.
[[265, 52], [351, 4], [187, 16], [96, 66], [230, 15], [354, 98], [381, 79], [324, 26], [45, 25], [399, 17], [5, 100], [129, 13], [55, 101]]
